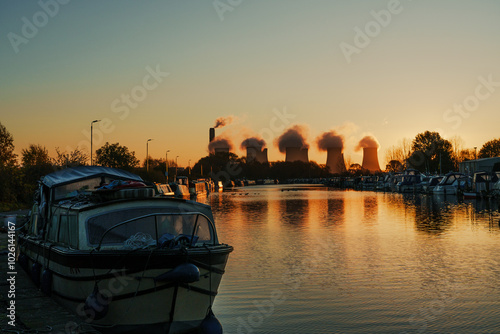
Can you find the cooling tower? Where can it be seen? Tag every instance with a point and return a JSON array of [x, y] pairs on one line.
[[221, 150], [211, 134], [296, 154], [335, 160], [255, 154], [370, 159]]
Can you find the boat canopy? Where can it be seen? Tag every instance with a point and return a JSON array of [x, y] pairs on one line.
[[76, 174]]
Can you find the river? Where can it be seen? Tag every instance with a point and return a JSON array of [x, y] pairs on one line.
[[309, 259]]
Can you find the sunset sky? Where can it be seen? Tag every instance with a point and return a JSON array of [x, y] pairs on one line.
[[167, 70]]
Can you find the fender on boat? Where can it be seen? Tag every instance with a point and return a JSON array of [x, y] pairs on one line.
[[96, 305], [183, 273], [46, 282], [35, 273], [210, 325]]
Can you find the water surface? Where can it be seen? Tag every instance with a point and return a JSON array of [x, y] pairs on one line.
[[312, 260]]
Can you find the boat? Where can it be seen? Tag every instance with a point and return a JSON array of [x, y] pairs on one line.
[[198, 189], [180, 187], [103, 245], [428, 188], [452, 183], [410, 182]]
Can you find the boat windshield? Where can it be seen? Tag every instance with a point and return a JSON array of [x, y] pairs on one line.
[[73, 189], [125, 227]]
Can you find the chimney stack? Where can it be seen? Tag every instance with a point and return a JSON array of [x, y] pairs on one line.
[[211, 134]]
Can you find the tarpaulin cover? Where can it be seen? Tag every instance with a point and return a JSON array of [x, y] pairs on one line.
[[70, 175]]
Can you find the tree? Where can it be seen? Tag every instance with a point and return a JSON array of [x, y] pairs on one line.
[[431, 153], [400, 152], [10, 175], [394, 166], [114, 155], [35, 155], [36, 163], [490, 149], [71, 159], [7, 155]]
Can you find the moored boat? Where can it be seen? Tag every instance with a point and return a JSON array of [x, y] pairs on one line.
[[101, 244]]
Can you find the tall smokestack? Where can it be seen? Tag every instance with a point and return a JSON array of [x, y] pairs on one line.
[[211, 135], [296, 154], [335, 160], [333, 144], [370, 159]]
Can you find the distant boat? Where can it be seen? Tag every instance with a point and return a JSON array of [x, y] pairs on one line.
[[102, 244], [451, 184]]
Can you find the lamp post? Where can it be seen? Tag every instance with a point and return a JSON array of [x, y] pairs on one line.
[[176, 167], [92, 139], [475, 152], [147, 154], [189, 166], [166, 164]]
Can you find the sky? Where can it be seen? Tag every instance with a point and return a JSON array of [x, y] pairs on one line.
[[166, 70]]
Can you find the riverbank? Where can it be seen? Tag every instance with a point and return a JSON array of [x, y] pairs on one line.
[[31, 310]]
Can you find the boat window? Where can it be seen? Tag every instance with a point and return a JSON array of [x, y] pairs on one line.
[[68, 230], [154, 226], [53, 228], [73, 189], [34, 220], [203, 230]]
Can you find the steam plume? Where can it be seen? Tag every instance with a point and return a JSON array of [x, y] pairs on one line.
[[293, 137], [330, 140], [223, 121], [366, 142], [220, 143], [253, 142]]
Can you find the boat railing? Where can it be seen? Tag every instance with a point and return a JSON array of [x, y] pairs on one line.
[[158, 234]]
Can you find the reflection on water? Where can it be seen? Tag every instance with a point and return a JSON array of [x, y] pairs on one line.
[[311, 260]]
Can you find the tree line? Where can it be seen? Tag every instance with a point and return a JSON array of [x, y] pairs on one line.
[[427, 152]]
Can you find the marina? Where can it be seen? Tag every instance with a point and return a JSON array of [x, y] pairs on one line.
[[309, 258]]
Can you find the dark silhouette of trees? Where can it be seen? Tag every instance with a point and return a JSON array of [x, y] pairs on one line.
[[71, 159], [431, 153], [7, 155], [490, 149], [10, 174], [117, 156], [36, 163]]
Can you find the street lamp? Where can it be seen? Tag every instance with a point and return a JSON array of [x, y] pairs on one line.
[[166, 164], [91, 138], [189, 166], [147, 154], [176, 167], [475, 152]]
